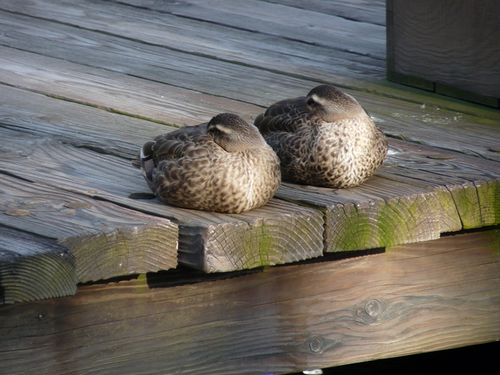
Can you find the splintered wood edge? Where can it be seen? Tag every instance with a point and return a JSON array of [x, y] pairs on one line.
[[34, 268]]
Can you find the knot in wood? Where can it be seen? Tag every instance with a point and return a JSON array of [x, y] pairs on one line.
[[370, 311], [373, 308], [17, 212], [75, 205], [315, 345]]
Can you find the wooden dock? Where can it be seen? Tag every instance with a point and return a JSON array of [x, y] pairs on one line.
[[406, 263]]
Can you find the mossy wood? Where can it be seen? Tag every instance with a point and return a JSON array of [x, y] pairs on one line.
[[417, 195], [379, 213], [107, 240], [411, 299], [33, 267], [277, 233]]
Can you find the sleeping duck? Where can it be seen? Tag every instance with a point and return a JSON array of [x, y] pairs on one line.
[[323, 139], [223, 166]]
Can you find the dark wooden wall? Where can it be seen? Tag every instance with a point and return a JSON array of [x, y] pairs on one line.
[[451, 47]]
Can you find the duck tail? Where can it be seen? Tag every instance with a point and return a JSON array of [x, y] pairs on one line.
[[147, 162]]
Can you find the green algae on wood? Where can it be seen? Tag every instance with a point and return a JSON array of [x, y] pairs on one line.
[[287, 234], [379, 223]]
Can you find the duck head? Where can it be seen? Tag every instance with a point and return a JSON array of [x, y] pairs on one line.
[[331, 104], [233, 133]]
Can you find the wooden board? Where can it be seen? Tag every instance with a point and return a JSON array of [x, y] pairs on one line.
[[112, 91], [468, 187], [310, 27], [419, 193], [33, 267], [247, 47], [255, 49], [410, 121], [107, 240], [277, 233], [414, 198], [412, 299], [370, 11]]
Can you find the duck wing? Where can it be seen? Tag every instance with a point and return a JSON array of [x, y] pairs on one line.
[[284, 116], [172, 146]]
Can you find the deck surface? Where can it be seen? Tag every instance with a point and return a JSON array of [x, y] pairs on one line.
[[85, 84]]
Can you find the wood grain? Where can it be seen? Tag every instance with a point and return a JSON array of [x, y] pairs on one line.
[[262, 50], [356, 10], [113, 91], [30, 113], [106, 239], [418, 197], [419, 193], [277, 233], [307, 26], [207, 74], [467, 186], [139, 97], [33, 267], [414, 298], [378, 213], [277, 54]]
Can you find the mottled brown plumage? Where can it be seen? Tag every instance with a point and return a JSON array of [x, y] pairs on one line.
[[223, 166], [323, 139]]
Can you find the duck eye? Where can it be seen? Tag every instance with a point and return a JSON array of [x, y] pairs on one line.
[[311, 102], [214, 130]]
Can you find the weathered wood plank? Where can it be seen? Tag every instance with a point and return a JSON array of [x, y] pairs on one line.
[[72, 123], [33, 267], [174, 33], [378, 213], [106, 239], [113, 91], [277, 233], [155, 63], [372, 11], [186, 107], [419, 193], [287, 22], [247, 48], [431, 197], [459, 129], [412, 299], [468, 187], [118, 93]]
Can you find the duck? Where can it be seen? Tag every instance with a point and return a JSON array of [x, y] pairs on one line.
[[223, 166], [324, 139]]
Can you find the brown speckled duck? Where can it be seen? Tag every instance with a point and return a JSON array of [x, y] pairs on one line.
[[323, 139], [223, 166]]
